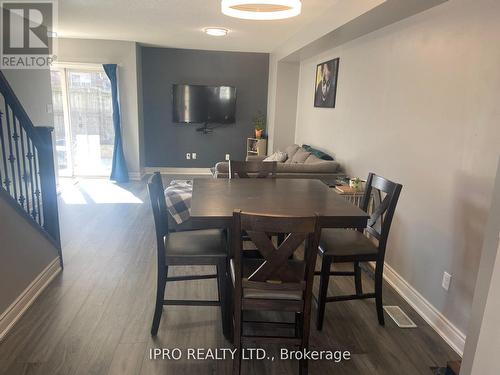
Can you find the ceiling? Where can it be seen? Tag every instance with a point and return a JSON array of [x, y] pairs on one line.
[[179, 23]]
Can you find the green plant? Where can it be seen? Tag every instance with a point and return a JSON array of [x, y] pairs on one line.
[[259, 121]]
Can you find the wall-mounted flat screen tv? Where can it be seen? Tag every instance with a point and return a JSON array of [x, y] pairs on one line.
[[203, 104]]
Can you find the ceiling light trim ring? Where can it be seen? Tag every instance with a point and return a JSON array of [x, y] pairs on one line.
[[292, 8]]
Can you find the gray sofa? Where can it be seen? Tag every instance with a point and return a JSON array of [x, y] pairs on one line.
[[305, 165]]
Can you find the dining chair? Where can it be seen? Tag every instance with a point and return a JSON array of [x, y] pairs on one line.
[[276, 282], [255, 169], [247, 169], [186, 248], [362, 245]]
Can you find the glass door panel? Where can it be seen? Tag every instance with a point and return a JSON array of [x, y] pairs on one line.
[[91, 119], [61, 127], [83, 121]]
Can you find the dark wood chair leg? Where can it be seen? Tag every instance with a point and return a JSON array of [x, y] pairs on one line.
[[379, 269], [298, 325], [303, 366], [160, 296], [357, 279], [237, 339], [237, 329], [323, 289], [305, 321], [223, 297]]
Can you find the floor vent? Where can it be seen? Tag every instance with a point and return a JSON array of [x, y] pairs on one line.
[[400, 317]]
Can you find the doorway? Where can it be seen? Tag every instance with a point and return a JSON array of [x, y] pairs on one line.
[[83, 121]]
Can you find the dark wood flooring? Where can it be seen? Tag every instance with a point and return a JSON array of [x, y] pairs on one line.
[[95, 317]]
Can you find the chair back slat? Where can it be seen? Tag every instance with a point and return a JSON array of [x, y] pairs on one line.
[[384, 195], [247, 169], [279, 270]]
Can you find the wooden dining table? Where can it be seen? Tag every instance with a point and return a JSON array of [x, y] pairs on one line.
[[214, 201]]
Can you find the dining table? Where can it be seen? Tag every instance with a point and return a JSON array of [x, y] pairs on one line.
[[214, 201]]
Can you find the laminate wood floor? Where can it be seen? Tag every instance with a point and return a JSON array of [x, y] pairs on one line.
[[95, 316]]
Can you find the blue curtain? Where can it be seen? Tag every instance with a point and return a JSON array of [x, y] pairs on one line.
[[119, 171]]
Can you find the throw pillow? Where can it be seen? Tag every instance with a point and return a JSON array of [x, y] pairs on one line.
[[300, 156], [317, 153], [290, 151], [278, 156]]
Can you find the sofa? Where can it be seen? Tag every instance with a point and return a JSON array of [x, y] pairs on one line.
[[293, 162]]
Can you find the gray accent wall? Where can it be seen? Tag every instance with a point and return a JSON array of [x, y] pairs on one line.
[[166, 143]]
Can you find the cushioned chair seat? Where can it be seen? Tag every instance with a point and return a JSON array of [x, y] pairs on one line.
[[345, 243], [249, 266], [196, 243]]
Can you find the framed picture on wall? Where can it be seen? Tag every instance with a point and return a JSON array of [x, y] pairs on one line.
[[326, 84]]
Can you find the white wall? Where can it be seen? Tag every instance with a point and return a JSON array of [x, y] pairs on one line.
[[34, 91], [483, 337], [417, 102], [123, 54], [286, 103], [24, 254]]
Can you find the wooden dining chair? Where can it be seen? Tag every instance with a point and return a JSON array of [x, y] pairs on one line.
[[186, 248], [275, 282], [363, 245], [247, 169]]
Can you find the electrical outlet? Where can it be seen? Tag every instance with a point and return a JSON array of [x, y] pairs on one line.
[[188, 156], [193, 155], [49, 108], [228, 157], [446, 281]]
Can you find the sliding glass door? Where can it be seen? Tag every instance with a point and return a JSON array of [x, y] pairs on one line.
[[84, 134]]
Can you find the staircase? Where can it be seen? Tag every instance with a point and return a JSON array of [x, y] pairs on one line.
[[27, 172]]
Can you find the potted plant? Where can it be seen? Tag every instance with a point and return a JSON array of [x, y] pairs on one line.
[[259, 123], [355, 183]]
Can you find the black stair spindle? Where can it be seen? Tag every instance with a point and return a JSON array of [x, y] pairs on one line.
[[15, 137], [5, 181], [25, 172], [36, 176], [11, 158], [30, 157]]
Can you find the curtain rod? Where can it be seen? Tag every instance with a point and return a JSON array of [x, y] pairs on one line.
[[69, 64]]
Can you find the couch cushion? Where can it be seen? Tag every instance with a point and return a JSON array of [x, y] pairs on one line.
[[278, 156], [290, 151], [300, 156], [313, 159], [320, 154], [320, 167]]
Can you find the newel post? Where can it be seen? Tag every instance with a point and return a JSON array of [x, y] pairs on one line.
[[48, 185]]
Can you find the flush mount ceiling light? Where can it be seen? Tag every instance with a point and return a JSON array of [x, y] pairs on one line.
[[216, 31], [261, 9]]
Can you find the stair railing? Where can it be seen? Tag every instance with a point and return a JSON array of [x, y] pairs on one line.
[[27, 171]]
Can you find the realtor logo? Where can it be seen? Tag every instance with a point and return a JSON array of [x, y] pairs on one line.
[[28, 37]]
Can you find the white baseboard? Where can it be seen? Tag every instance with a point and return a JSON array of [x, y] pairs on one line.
[[451, 334], [16, 310], [135, 176], [168, 170]]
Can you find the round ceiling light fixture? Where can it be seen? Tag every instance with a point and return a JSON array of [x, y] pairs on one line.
[[261, 9], [216, 31]]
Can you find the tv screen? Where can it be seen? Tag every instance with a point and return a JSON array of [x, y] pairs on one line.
[[203, 104]]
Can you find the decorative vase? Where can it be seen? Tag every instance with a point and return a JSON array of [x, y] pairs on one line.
[[258, 133]]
